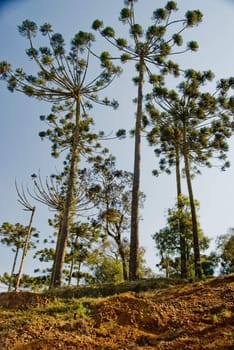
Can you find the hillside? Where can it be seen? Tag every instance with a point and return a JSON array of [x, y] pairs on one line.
[[186, 316]]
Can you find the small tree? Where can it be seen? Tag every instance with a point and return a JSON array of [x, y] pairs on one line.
[[82, 239], [15, 236], [225, 245], [111, 192], [168, 239], [52, 192], [108, 270]]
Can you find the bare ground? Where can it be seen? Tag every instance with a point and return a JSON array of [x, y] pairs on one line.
[[190, 316]]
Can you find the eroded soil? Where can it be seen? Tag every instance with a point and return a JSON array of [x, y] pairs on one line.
[[193, 316]]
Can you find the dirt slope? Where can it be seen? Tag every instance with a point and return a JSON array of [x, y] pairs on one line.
[[194, 316]]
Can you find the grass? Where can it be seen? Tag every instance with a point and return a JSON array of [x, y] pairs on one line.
[[108, 289], [66, 308]]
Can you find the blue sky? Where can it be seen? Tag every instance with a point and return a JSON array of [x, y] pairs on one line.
[[23, 153]]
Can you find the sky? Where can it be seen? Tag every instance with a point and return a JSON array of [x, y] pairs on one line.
[[23, 153]]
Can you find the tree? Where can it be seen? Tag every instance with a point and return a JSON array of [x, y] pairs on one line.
[[195, 125], [225, 245], [82, 238], [209, 263], [106, 264], [62, 81], [108, 270], [43, 274], [166, 247], [51, 192], [111, 192], [168, 239], [166, 133], [33, 283], [15, 236], [150, 47]]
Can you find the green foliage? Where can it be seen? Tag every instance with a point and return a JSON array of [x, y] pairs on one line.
[[225, 246], [137, 30], [171, 6], [28, 29], [201, 106], [192, 45], [209, 264], [108, 32], [108, 271], [168, 241], [108, 289], [121, 42], [110, 191], [193, 17], [5, 68], [125, 14], [14, 235], [125, 57], [81, 242]]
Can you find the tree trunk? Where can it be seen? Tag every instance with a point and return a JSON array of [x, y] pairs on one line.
[[134, 237], [78, 274], [25, 250], [123, 260], [71, 270], [196, 245], [54, 262], [67, 212], [73, 257], [13, 269], [167, 267], [183, 262]]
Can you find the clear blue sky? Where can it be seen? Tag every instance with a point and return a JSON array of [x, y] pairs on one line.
[[23, 153]]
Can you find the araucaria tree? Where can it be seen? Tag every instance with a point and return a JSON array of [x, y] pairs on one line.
[[150, 49], [62, 79], [194, 125], [53, 192], [14, 236]]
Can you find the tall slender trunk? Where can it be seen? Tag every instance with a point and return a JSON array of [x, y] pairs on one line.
[[78, 274], [196, 245], [25, 250], [134, 237], [71, 269], [54, 262], [67, 215], [123, 260], [183, 262], [167, 267], [73, 257], [13, 269]]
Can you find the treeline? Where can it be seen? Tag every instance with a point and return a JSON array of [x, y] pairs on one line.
[[98, 251], [188, 126]]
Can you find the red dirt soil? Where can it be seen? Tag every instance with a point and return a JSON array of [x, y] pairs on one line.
[[192, 317]]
